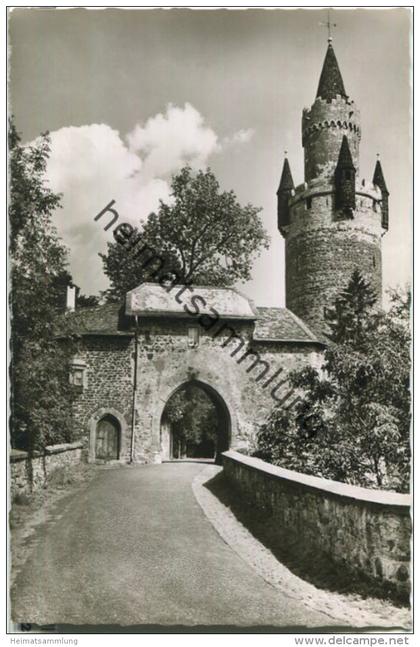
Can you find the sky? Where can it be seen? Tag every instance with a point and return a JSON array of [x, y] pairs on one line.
[[130, 96]]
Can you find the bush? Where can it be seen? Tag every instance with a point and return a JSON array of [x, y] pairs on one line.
[[352, 421]]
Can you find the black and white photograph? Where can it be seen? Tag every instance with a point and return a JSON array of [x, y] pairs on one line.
[[210, 269]]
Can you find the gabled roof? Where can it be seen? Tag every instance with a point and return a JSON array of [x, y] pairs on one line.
[[271, 324], [378, 177], [345, 159], [331, 81], [286, 180]]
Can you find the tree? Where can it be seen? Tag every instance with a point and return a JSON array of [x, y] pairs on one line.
[[349, 319], [41, 394], [203, 236], [87, 301], [352, 422]]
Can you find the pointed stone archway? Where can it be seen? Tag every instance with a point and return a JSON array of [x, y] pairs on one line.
[[223, 423]]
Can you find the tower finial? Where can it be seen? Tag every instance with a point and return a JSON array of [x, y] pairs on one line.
[[331, 81], [329, 25]]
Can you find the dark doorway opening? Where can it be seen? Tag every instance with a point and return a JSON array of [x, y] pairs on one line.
[[195, 423]]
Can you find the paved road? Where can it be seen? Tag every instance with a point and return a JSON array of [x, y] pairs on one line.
[[134, 547]]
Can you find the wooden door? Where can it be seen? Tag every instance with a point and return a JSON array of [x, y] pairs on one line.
[[107, 440]]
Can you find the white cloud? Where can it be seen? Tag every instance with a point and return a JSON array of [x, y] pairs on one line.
[[241, 137], [168, 141], [92, 165]]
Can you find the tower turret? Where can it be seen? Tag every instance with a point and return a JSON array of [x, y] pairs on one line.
[[284, 192], [345, 181], [379, 181], [333, 222], [332, 114]]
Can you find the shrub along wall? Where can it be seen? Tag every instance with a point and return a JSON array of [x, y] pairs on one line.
[[365, 533], [29, 474]]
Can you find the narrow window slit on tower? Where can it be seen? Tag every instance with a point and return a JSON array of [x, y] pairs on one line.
[[309, 203]]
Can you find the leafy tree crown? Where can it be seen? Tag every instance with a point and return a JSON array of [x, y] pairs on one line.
[[203, 235]]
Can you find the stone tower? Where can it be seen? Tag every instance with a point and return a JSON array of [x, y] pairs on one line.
[[333, 222]]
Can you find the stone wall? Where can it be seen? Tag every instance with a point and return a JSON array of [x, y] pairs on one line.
[[322, 250], [366, 532], [166, 362], [28, 475], [108, 386]]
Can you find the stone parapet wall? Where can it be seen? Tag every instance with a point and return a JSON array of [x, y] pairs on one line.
[[365, 532], [321, 187], [30, 474]]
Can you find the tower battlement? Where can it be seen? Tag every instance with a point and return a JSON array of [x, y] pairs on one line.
[[337, 113], [323, 127], [321, 186]]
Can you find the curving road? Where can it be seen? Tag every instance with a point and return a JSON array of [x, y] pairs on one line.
[[135, 548]]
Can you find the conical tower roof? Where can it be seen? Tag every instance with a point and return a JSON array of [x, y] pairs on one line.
[[331, 81], [345, 159], [286, 180], [378, 177]]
